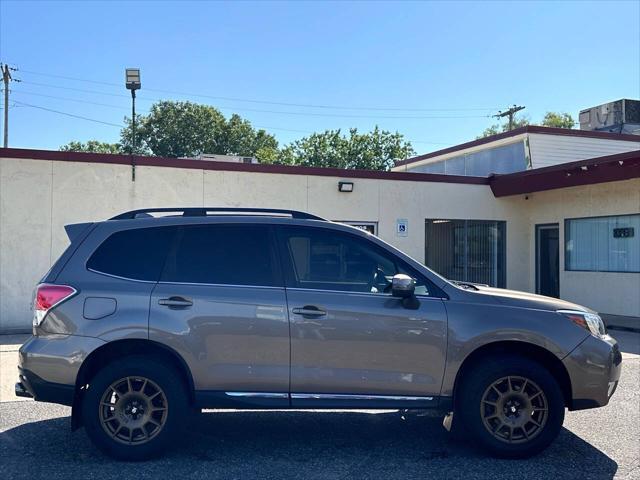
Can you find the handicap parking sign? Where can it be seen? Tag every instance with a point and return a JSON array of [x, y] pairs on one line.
[[402, 227]]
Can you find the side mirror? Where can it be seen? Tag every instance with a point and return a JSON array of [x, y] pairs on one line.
[[403, 286]]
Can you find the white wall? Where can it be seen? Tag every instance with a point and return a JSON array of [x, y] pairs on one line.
[[547, 150], [606, 292]]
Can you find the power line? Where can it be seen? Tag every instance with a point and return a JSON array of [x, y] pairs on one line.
[[48, 85], [24, 104], [278, 112], [67, 99], [68, 114], [268, 102]]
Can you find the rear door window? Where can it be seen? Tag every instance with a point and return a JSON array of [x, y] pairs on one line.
[[223, 255], [137, 254]]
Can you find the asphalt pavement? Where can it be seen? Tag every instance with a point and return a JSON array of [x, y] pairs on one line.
[[36, 442]]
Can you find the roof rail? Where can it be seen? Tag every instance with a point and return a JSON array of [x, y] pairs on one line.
[[204, 211]]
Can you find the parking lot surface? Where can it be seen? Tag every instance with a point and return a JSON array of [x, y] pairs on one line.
[[36, 442]]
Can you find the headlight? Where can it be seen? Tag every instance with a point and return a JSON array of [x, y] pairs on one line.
[[589, 321]]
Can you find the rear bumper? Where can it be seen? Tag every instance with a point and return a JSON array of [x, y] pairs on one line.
[[48, 366], [594, 369], [31, 385], [21, 391]]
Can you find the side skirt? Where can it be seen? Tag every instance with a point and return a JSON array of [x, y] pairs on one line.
[[281, 400]]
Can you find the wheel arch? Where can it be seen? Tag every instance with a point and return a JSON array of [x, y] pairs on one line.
[[120, 349], [520, 348]]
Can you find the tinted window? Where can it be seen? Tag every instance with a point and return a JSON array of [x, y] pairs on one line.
[[138, 254], [222, 254], [328, 260], [467, 250], [603, 244]]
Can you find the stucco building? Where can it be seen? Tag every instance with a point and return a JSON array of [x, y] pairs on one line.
[[571, 229]]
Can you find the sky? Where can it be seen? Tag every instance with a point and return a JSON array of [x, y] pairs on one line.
[[433, 71]]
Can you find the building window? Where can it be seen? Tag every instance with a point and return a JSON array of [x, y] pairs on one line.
[[467, 250], [503, 159], [371, 227], [603, 244]]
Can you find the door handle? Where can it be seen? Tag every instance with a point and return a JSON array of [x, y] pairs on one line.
[[309, 311], [175, 302]]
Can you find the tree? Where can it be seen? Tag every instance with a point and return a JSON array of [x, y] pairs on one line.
[[558, 120], [187, 129], [92, 146], [375, 150], [176, 129], [126, 139]]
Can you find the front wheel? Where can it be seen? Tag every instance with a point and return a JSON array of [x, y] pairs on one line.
[[134, 406], [512, 406]]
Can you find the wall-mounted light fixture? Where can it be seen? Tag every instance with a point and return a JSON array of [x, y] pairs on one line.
[[346, 187]]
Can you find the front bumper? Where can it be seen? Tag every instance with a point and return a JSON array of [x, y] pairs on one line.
[[594, 369]]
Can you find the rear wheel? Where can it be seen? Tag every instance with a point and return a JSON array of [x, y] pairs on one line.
[[512, 406], [134, 406]]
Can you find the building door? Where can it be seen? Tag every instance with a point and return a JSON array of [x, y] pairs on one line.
[[548, 260]]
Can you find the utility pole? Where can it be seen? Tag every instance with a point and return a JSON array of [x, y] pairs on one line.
[[6, 77], [509, 113]]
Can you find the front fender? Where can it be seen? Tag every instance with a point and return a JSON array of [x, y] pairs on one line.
[[474, 325]]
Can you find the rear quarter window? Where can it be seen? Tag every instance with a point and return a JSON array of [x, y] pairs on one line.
[[138, 254]]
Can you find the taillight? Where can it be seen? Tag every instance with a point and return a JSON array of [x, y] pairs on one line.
[[48, 296]]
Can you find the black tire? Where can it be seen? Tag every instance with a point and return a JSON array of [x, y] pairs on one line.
[[169, 409], [481, 408]]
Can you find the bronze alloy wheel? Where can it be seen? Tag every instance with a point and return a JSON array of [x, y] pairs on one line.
[[133, 410], [514, 409]]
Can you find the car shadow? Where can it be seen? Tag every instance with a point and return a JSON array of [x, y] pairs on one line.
[[293, 444]]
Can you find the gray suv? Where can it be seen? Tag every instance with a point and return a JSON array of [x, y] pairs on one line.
[[155, 314]]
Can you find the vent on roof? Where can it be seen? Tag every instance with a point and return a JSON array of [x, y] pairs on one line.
[[621, 116]]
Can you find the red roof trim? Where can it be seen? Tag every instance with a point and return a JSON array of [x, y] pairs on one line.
[[622, 166], [611, 168], [234, 167], [518, 131]]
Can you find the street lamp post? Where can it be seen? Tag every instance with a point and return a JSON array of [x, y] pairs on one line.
[[132, 82]]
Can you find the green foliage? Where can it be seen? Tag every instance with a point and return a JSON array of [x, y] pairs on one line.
[[240, 138], [187, 129], [558, 120], [375, 150], [92, 146], [268, 155], [177, 129]]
